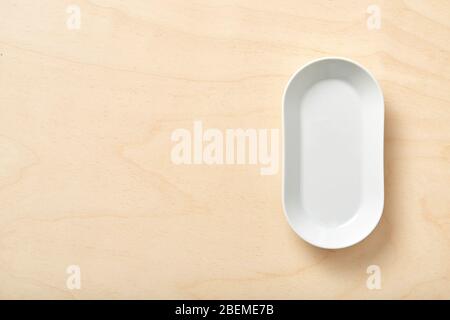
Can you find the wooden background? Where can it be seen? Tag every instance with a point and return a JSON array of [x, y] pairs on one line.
[[85, 171]]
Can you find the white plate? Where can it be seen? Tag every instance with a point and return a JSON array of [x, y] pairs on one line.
[[333, 122]]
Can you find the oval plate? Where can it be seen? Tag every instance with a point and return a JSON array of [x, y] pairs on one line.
[[333, 182]]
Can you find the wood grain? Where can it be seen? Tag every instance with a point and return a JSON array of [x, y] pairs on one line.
[[85, 171]]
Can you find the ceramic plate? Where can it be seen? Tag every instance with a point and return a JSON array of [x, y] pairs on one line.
[[333, 184]]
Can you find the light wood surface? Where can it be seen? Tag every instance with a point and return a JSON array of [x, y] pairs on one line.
[[86, 176]]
